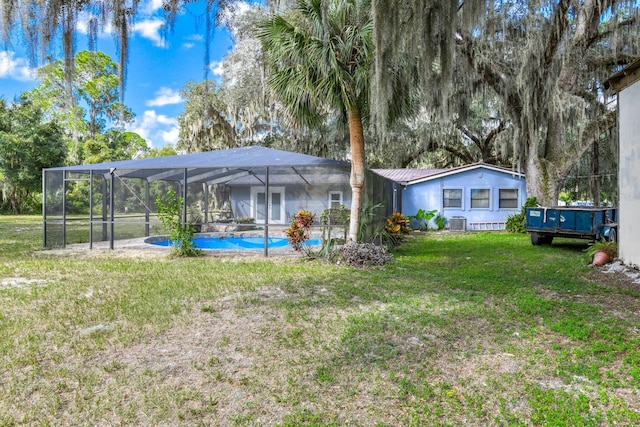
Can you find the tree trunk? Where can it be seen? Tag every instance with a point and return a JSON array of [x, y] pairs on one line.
[[358, 169], [547, 92], [595, 175], [544, 180], [14, 202]]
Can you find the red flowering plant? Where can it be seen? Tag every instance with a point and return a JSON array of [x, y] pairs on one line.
[[299, 230]]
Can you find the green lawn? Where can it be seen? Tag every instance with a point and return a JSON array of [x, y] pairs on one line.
[[469, 329]]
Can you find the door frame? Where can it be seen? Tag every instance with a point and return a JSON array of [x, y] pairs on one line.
[[254, 204]]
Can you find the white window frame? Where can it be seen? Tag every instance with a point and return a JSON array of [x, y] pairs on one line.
[[471, 198], [461, 198], [517, 198], [332, 193]]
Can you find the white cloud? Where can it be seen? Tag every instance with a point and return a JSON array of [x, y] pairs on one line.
[[166, 120], [165, 96], [82, 25], [191, 40], [157, 129], [195, 38], [17, 68], [151, 6], [150, 29], [171, 136], [216, 68]]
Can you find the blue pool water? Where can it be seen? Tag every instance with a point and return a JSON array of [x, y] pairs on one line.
[[236, 243]]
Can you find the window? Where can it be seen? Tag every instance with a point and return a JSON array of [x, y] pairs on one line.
[[508, 198], [452, 198], [480, 199], [335, 199]]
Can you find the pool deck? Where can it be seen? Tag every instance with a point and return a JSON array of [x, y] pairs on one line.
[[138, 247]]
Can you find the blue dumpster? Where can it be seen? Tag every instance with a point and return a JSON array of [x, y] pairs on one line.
[[543, 224]]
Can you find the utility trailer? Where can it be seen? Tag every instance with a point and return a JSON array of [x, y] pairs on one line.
[[543, 224]]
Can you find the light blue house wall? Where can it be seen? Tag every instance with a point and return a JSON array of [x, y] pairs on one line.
[[314, 198], [319, 192], [427, 194]]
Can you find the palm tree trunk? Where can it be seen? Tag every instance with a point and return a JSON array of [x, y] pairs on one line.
[[356, 141]]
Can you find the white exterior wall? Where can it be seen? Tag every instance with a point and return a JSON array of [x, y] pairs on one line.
[[629, 174]]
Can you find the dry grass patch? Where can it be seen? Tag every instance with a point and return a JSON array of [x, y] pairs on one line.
[[464, 329]]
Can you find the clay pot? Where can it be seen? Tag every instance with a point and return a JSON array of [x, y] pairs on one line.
[[599, 258]]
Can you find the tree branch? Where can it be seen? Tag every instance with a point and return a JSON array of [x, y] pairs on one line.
[[466, 132], [603, 35], [463, 155], [555, 28]]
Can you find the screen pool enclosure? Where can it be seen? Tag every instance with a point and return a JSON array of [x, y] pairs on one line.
[[253, 190]]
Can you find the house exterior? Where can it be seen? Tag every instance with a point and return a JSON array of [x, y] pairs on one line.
[[287, 196], [473, 197], [626, 84]]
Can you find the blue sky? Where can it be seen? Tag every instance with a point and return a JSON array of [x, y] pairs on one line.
[[158, 67]]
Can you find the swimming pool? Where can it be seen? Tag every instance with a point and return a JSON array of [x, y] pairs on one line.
[[232, 242]]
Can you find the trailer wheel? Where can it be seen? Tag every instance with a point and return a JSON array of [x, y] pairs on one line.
[[535, 239], [540, 239], [613, 235]]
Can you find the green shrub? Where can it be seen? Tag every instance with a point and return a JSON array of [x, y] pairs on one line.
[[335, 216], [517, 223], [245, 220], [181, 234], [423, 217], [371, 225], [440, 222]]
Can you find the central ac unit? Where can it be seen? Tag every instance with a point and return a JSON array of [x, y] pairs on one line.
[[458, 223]]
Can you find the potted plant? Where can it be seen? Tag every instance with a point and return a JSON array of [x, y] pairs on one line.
[[602, 252]]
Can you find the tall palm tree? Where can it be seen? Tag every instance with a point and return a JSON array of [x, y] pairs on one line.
[[319, 54]]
